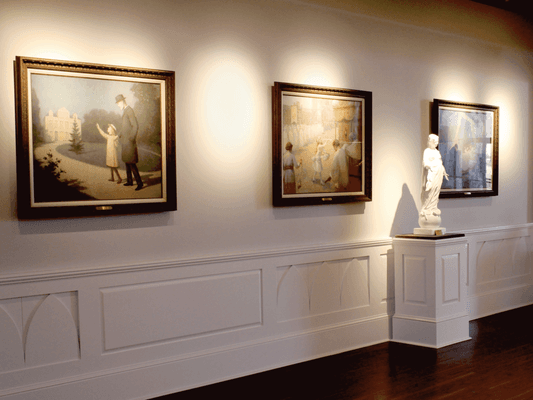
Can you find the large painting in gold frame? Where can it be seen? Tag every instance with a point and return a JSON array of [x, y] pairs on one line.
[[93, 139]]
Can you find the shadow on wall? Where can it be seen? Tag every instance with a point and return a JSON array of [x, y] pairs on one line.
[[331, 210], [93, 224], [406, 217]]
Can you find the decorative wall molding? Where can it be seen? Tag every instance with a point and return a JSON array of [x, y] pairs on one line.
[[320, 288], [39, 330], [192, 307], [499, 269], [496, 229], [38, 276]]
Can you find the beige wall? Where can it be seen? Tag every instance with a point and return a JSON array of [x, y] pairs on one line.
[[226, 56], [144, 305]]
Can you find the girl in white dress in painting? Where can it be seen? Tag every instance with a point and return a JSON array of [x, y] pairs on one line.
[[317, 159], [111, 158]]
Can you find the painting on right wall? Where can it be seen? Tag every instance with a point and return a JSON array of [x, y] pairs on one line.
[[468, 144]]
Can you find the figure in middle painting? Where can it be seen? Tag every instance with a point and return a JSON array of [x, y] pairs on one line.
[[317, 159], [339, 167], [289, 165], [355, 162]]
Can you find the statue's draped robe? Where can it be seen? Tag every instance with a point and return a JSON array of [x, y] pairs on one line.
[[433, 175]]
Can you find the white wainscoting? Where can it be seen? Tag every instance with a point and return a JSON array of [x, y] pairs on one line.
[[499, 274], [37, 330], [140, 331], [193, 306]]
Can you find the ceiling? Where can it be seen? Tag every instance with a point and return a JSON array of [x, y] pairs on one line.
[[523, 8]]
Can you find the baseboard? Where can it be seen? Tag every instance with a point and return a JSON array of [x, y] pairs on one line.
[[145, 382], [485, 304]]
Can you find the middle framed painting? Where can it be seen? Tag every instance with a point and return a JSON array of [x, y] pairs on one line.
[[321, 145]]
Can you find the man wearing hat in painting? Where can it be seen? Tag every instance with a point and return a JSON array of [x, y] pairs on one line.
[[128, 136]]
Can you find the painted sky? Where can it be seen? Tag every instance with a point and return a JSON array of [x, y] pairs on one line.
[[79, 95]]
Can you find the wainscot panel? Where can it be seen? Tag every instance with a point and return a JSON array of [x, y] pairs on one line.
[[141, 314], [499, 269]]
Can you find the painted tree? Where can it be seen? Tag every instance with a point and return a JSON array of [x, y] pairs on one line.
[[76, 144], [148, 112], [37, 128]]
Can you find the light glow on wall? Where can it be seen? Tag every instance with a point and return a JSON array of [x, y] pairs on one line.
[[453, 82], [128, 44], [506, 94], [313, 66], [227, 109]]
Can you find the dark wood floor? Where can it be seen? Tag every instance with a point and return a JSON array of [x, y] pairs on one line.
[[496, 364]]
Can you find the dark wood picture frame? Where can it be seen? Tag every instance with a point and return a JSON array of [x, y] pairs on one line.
[[72, 139], [468, 143], [329, 130]]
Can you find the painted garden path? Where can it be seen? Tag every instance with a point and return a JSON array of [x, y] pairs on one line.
[[94, 181]]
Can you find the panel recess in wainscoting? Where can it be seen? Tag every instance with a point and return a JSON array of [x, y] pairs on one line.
[[323, 287], [146, 313], [500, 269], [39, 330], [501, 262]]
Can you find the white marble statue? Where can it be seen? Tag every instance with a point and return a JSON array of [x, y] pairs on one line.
[[429, 217]]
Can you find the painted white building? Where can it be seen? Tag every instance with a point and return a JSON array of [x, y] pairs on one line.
[[58, 128]]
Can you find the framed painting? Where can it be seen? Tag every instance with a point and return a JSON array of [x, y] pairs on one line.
[[468, 144], [321, 144], [93, 139]]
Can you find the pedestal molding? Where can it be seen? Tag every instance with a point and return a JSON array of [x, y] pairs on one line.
[[432, 243], [431, 320]]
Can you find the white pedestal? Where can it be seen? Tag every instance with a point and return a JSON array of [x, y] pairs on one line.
[[430, 290]]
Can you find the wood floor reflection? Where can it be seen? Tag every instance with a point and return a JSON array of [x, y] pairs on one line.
[[496, 364]]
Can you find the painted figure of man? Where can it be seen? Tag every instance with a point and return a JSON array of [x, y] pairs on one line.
[[128, 137], [339, 167], [289, 165], [355, 162]]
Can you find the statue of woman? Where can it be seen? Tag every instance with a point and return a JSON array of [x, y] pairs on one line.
[[434, 172]]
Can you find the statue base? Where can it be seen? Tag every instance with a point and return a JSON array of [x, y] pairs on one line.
[[430, 231], [429, 223]]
